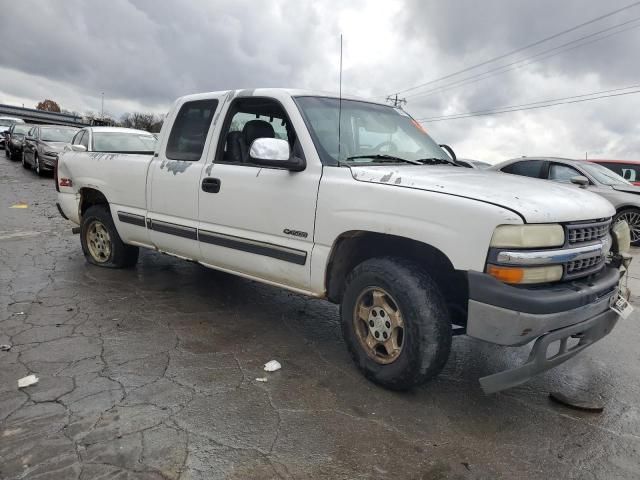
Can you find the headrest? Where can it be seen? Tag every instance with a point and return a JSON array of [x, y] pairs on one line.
[[256, 129]]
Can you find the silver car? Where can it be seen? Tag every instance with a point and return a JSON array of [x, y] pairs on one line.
[[624, 196]]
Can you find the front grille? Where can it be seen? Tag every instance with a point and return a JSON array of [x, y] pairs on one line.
[[585, 266], [587, 232]]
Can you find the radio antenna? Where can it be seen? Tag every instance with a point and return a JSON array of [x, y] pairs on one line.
[[340, 100]]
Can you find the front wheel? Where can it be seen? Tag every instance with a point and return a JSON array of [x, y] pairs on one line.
[[632, 217], [101, 243], [38, 168], [395, 323], [25, 165]]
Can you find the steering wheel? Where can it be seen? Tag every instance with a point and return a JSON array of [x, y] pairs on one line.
[[393, 148]]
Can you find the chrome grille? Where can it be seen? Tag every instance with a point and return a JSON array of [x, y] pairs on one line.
[[587, 232], [576, 267]]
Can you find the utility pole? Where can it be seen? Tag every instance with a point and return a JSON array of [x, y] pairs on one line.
[[397, 102], [102, 108]]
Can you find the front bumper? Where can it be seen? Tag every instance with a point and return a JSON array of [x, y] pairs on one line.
[[48, 163], [514, 316]]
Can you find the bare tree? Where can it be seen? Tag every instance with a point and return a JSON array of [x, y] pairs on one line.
[[48, 106], [142, 121]]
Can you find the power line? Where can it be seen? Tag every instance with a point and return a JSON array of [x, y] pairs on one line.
[[526, 47], [534, 105], [531, 59]]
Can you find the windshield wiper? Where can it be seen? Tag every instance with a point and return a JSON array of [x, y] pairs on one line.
[[436, 161], [388, 158]]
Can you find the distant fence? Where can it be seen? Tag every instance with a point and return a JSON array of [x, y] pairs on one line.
[[31, 115]]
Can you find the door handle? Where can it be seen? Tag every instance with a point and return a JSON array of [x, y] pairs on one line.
[[211, 185]]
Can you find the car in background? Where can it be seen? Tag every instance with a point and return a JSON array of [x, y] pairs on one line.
[[43, 144], [468, 163], [624, 196], [627, 169], [15, 140], [113, 140], [5, 123]]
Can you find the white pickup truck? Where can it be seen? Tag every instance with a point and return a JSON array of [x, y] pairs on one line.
[[352, 201]]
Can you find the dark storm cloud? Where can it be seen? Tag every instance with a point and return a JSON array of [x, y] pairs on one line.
[[155, 51]]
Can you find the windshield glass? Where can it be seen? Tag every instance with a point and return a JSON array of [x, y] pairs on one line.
[[123, 142], [21, 129], [57, 134], [366, 129], [603, 175], [6, 123]]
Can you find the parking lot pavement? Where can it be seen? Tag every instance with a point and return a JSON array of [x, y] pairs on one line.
[[151, 373]]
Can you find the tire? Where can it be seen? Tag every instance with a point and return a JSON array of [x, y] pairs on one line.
[[425, 338], [24, 163], [7, 152], [632, 217], [101, 244], [36, 166]]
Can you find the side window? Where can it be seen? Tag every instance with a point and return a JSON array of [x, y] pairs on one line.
[[84, 139], [249, 119], [562, 173], [189, 132], [526, 168]]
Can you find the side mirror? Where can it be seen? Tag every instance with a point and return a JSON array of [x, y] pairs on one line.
[[580, 180], [449, 151], [274, 152], [78, 148]]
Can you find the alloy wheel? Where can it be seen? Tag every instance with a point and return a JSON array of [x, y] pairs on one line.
[[379, 325], [633, 220], [98, 242]]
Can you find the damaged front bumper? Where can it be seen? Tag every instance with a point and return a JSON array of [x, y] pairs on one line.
[[513, 316]]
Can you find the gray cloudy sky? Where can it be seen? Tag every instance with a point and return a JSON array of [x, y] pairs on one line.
[[145, 53]]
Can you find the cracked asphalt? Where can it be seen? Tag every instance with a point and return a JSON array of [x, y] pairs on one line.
[[151, 373]]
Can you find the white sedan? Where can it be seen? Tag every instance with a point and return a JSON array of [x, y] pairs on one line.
[[113, 140]]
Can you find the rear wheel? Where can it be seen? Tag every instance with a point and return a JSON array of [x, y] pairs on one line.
[[101, 243], [632, 217], [395, 323]]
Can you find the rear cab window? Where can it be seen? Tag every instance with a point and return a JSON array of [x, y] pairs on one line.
[[190, 128]]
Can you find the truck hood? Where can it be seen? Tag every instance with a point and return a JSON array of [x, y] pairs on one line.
[[537, 201]]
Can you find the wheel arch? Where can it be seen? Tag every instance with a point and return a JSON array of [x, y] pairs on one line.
[[354, 247], [89, 197]]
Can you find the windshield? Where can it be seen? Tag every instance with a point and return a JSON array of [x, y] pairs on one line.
[[57, 134], [123, 142], [6, 123], [21, 129], [367, 130], [603, 175]]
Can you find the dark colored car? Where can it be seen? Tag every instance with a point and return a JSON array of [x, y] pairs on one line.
[[5, 124], [15, 140], [43, 144], [627, 169]]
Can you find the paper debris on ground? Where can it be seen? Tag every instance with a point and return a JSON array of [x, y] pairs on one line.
[[5, 348], [261, 379], [27, 381], [272, 366], [19, 205], [19, 313]]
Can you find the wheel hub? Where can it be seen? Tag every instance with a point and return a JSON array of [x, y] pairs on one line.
[[98, 242], [379, 325]]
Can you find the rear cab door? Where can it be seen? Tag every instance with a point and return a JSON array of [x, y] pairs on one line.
[[174, 175]]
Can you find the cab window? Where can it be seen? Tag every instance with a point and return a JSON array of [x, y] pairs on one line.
[[249, 119], [190, 128]]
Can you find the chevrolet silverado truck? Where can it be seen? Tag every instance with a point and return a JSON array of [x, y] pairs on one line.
[[352, 201]]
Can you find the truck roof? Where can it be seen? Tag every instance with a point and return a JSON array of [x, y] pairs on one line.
[[277, 92]]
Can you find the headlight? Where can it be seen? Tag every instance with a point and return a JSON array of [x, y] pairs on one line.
[[528, 236], [622, 236], [51, 154], [524, 275]]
